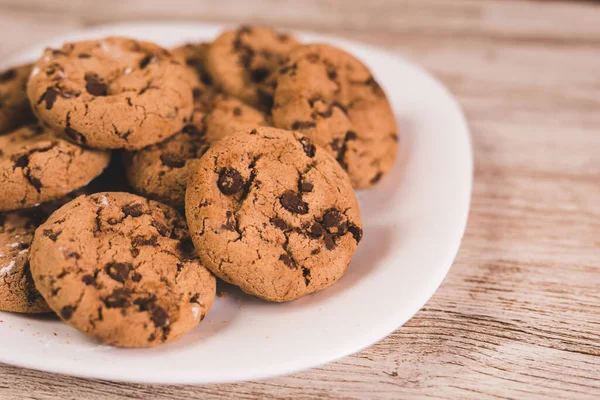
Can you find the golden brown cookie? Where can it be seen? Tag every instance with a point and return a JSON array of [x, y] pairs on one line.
[[273, 214], [332, 97], [243, 62], [112, 93], [17, 290], [37, 166], [121, 269], [14, 105], [161, 171]]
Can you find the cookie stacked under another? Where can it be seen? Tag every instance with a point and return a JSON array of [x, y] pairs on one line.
[[257, 138]]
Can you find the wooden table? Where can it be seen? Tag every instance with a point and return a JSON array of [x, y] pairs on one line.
[[519, 314]]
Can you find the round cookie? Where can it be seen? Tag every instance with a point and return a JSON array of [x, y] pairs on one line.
[[37, 166], [112, 93], [161, 171], [121, 269], [14, 105], [332, 97], [17, 290], [273, 214], [243, 62]]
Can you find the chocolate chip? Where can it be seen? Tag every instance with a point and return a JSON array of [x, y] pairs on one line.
[[293, 203], [308, 147], [279, 223], [119, 298], [306, 186], [88, 279], [172, 160], [329, 242], [259, 74], [94, 85], [145, 303], [394, 137], [332, 218], [67, 312], [133, 210], [356, 232], [134, 252], [306, 275], [136, 277], [160, 317], [317, 230], [51, 234], [230, 224], [287, 260], [195, 298], [118, 271], [371, 82], [351, 135], [265, 99], [49, 97], [8, 75], [253, 132], [84, 55], [21, 161], [297, 125], [143, 241], [315, 251], [161, 228], [146, 60], [332, 74], [230, 181], [237, 111], [376, 178]]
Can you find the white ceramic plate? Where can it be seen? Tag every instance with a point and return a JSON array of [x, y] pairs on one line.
[[413, 224]]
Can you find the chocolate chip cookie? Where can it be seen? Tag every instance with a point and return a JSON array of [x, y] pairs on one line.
[[37, 166], [161, 171], [121, 269], [333, 98], [14, 105], [17, 290], [112, 93], [243, 62], [273, 214]]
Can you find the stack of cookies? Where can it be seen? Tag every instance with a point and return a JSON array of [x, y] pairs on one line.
[[241, 157]]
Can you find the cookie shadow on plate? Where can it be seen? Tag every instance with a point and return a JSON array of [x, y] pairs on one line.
[[373, 201]]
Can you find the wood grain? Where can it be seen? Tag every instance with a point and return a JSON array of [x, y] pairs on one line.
[[519, 314]]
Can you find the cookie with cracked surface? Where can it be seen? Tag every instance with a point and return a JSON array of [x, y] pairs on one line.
[[161, 171], [273, 214], [332, 97], [14, 104], [17, 290], [36, 166], [112, 93], [243, 62], [121, 269]]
